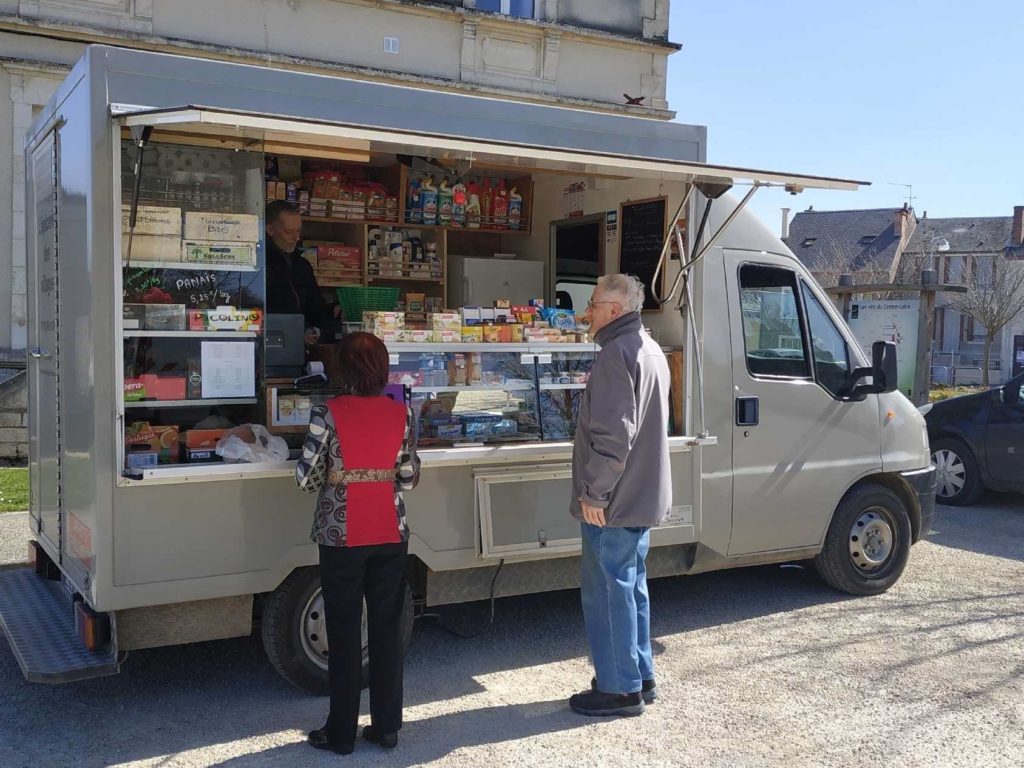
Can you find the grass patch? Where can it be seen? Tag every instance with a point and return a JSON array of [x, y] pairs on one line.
[[944, 393], [14, 489]]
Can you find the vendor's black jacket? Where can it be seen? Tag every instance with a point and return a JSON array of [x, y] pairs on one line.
[[292, 288]]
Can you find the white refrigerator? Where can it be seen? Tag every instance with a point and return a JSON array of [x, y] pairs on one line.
[[479, 281]]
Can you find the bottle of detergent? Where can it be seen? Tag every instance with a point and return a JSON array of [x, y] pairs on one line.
[[459, 204], [473, 206], [444, 203], [515, 209], [413, 204], [486, 196], [499, 206], [428, 200]]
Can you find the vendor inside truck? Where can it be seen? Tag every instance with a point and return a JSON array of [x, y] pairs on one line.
[[291, 284]]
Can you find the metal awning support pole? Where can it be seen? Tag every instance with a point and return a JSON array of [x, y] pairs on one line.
[[697, 357], [666, 245], [725, 225]]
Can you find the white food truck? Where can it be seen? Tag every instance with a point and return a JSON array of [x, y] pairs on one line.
[[147, 180]]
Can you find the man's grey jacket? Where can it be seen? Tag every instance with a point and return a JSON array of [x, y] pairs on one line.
[[620, 455]]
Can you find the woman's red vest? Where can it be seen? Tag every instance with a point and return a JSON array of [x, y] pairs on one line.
[[370, 432]]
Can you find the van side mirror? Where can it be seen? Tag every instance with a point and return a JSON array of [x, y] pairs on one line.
[[882, 372]]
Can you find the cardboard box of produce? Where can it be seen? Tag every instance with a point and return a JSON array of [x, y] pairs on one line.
[[201, 444], [237, 254], [159, 441], [151, 248], [222, 227], [153, 220]]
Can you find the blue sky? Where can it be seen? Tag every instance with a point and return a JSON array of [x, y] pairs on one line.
[[923, 93]]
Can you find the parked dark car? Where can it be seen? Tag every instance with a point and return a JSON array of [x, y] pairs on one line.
[[977, 442]]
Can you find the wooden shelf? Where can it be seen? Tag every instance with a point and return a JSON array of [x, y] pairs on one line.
[[412, 225], [190, 403], [134, 333], [189, 265], [384, 278]]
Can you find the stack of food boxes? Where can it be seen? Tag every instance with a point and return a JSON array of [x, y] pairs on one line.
[[335, 263], [157, 234], [220, 238]]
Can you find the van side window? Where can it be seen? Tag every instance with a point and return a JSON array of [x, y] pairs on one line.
[[828, 347], [771, 323]]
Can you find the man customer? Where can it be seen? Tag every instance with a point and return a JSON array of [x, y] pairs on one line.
[[621, 487]]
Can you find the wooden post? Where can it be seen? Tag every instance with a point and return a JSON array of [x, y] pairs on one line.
[[925, 330], [845, 299]]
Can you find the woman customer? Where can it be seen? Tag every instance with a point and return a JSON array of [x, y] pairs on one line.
[[359, 455]]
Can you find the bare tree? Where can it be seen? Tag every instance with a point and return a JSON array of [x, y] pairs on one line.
[[838, 259], [994, 298]]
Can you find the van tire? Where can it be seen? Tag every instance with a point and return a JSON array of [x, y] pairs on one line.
[[868, 542], [283, 622], [958, 455]]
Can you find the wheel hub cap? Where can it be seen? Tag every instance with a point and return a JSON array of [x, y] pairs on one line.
[[314, 630], [871, 541], [950, 473]]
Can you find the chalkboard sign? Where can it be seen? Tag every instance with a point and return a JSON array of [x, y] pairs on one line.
[[196, 288], [642, 234]]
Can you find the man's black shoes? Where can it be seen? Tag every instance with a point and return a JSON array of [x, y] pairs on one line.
[[385, 740], [648, 689], [318, 740], [594, 703]]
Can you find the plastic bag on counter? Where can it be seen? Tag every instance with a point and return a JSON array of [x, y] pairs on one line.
[[252, 443]]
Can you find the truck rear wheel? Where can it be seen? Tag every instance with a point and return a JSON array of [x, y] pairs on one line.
[[867, 544], [295, 635]]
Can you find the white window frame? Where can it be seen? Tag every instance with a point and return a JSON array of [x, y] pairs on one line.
[[506, 10]]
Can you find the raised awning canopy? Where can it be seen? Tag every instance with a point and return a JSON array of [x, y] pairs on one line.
[[299, 136]]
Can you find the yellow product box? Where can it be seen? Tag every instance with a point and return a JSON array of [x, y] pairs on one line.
[[472, 334], [383, 321], [446, 337], [445, 321], [492, 334], [516, 333], [419, 336], [388, 336]]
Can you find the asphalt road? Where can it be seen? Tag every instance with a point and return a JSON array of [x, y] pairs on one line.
[[757, 667]]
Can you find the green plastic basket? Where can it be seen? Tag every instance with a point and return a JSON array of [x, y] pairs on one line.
[[356, 299]]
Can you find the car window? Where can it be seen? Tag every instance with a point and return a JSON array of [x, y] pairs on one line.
[[828, 347], [772, 330]]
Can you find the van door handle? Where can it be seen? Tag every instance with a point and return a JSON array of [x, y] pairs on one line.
[[747, 412], [39, 353]]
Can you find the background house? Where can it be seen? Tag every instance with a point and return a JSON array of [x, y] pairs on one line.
[[962, 251], [606, 55], [865, 244]]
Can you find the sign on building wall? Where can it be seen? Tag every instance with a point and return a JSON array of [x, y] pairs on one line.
[[894, 321]]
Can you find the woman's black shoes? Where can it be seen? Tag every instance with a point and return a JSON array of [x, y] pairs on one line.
[[385, 740], [318, 740]]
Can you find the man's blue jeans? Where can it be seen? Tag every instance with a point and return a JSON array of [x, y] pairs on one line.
[[616, 608]]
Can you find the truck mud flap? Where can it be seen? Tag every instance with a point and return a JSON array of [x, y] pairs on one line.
[[39, 624]]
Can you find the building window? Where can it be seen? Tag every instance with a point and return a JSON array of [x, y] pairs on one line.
[[809, 241], [867, 239], [523, 9]]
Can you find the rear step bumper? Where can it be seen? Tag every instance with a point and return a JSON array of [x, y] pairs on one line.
[[40, 626]]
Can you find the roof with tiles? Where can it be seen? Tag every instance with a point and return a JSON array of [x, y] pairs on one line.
[[973, 234], [866, 240]]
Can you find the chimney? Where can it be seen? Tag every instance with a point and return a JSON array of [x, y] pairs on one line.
[[785, 223], [1017, 235]]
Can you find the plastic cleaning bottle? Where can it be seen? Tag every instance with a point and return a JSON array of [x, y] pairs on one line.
[[515, 209], [428, 199], [486, 196], [444, 203], [499, 206], [459, 204], [414, 204], [473, 206]]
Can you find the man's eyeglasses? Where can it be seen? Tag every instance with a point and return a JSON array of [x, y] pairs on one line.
[[591, 303]]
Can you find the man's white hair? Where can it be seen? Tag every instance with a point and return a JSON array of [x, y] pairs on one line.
[[626, 289]]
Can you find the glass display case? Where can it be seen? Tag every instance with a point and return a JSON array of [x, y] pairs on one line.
[[193, 309], [491, 394]]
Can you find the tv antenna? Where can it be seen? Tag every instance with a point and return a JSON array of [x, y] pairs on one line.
[[910, 191]]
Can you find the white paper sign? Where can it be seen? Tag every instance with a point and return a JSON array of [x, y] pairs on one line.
[[229, 369]]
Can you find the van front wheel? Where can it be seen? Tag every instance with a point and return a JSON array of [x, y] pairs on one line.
[[868, 542]]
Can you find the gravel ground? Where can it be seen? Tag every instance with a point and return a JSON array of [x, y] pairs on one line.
[[756, 667], [14, 535]]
